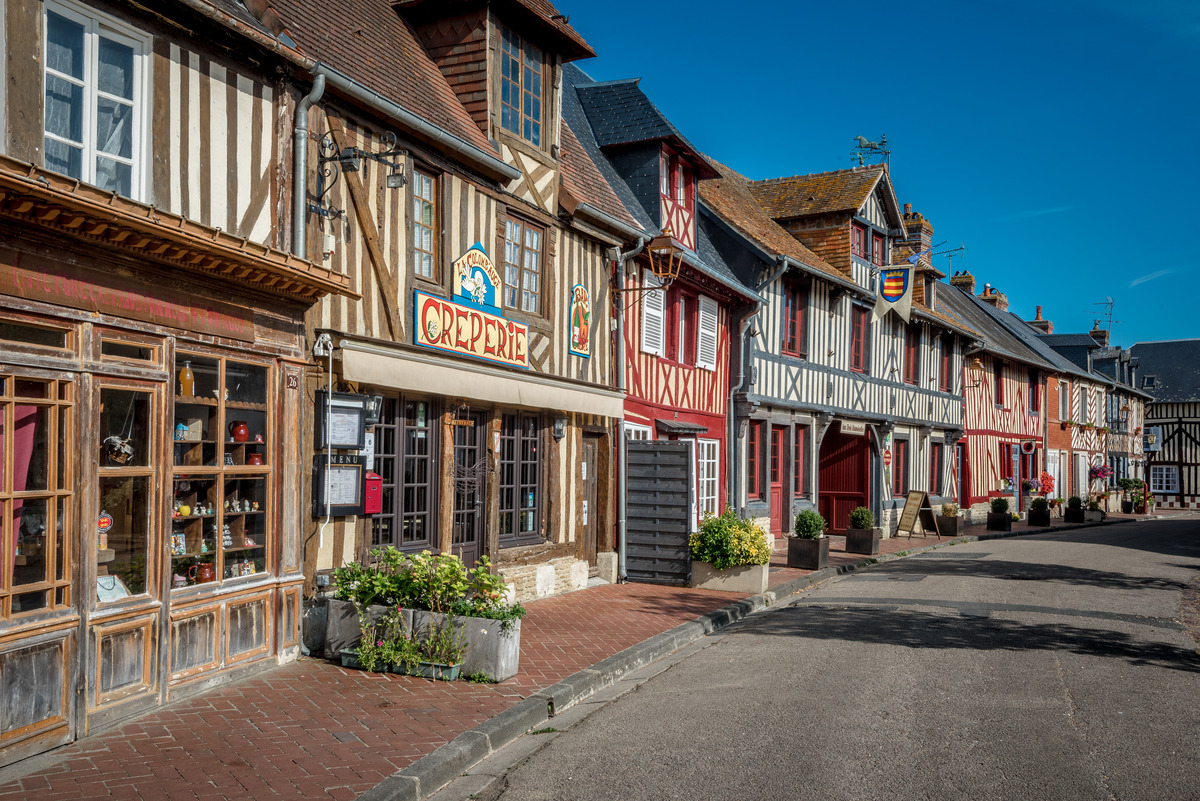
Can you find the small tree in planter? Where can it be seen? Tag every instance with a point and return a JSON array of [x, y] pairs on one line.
[[1094, 512], [1039, 512], [862, 536], [1074, 511], [729, 553], [947, 521], [809, 548], [999, 519], [1128, 487]]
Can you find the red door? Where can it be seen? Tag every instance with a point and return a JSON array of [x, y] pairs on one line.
[[778, 435], [844, 478]]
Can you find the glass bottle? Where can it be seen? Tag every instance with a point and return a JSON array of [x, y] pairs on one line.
[[187, 381]]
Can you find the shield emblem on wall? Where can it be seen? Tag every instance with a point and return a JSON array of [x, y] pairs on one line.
[[895, 284], [895, 292]]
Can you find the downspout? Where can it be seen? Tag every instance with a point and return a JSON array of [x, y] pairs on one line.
[[619, 368], [300, 167]]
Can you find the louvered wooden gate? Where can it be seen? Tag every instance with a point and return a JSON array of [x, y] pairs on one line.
[[658, 511]]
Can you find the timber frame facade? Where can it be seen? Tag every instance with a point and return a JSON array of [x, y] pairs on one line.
[[1171, 434]]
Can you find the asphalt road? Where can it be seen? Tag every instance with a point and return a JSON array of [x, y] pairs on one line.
[[1031, 668]]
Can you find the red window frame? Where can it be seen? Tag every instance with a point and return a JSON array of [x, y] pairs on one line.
[[912, 354], [1029, 466], [798, 461], [858, 240], [753, 437], [935, 469], [944, 381], [1006, 451], [998, 381], [795, 319], [777, 454], [1035, 391], [858, 340], [899, 467], [877, 249]]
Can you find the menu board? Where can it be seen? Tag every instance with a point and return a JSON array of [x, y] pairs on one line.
[[338, 485], [917, 507]]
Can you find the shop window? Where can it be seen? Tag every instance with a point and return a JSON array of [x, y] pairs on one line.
[[520, 87], [799, 459], [707, 462], [520, 480], [121, 346], [795, 319], [127, 467], [24, 333], [406, 457], [899, 468], [522, 266], [223, 471], [94, 76], [424, 225], [37, 444]]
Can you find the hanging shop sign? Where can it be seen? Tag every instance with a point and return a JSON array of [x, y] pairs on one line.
[[581, 321], [1152, 439], [470, 322]]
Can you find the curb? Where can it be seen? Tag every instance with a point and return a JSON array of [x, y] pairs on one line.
[[433, 771]]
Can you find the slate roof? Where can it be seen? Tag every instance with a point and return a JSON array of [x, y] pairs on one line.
[[367, 41], [543, 13], [1029, 336], [996, 337], [620, 113], [1070, 341], [819, 193], [1175, 365], [583, 180]]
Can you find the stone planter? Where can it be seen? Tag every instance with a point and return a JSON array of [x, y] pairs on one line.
[[808, 554], [947, 526], [490, 649], [999, 521], [749, 579], [1092, 517], [343, 629], [863, 540], [1039, 518], [1073, 515]]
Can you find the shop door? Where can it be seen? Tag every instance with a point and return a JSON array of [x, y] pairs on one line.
[[844, 475], [588, 514], [778, 437], [469, 475]]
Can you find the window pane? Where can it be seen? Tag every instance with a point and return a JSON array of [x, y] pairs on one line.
[[114, 176], [33, 546], [114, 128], [33, 335], [64, 45], [126, 501], [30, 462], [116, 69], [64, 108], [124, 436], [64, 159]]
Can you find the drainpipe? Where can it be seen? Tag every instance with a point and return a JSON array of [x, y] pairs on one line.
[[300, 167], [619, 367]]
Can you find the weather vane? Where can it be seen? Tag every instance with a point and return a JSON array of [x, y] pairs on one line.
[[866, 149]]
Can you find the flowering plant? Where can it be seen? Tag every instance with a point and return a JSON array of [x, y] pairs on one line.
[[1047, 482], [1100, 471], [1029, 485]]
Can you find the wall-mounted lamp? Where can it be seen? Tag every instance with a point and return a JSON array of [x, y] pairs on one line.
[[374, 407], [560, 428], [976, 371], [665, 257], [332, 163]]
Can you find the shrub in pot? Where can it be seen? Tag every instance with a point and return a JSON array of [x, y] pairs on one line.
[[947, 522], [1074, 511], [1039, 512], [809, 548], [730, 553], [862, 536], [1094, 512], [999, 518]]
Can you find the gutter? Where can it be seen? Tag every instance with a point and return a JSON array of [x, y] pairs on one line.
[[619, 367], [609, 221]]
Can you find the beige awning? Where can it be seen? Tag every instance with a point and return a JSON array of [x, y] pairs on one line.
[[364, 363]]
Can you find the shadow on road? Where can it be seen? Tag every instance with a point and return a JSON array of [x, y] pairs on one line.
[[1025, 571], [914, 629]]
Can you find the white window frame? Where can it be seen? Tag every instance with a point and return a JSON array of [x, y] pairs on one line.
[[97, 23], [1064, 399], [1084, 412], [707, 475], [638, 432], [654, 317], [707, 328], [1164, 479]]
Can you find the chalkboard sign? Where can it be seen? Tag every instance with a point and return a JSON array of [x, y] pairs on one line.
[[917, 507]]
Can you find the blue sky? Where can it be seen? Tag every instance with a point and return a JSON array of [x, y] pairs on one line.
[[1057, 140]]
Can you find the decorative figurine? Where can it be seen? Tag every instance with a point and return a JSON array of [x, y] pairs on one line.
[[180, 432], [249, 542], [226, 536], [258, 438], [254, 506]]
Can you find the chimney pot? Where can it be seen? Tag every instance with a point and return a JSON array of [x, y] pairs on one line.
[[907, 209]]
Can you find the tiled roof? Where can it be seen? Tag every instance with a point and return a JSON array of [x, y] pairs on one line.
[[729, 196], [819, 193], [620, 113], [996, 337], [573, 45], [368, 41], [1175, 366], [1029, 336], [582, 179]]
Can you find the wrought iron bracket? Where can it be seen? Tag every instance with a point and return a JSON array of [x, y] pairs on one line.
[[333, 162]]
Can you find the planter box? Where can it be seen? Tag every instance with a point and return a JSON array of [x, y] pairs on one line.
[[1073, 515], [947, 526], [432, 670], [490, 649], [1039, 518], [1092, 517], [808, 554], [863, 540], [999, 522], [749, 579], [1126, 507], [349, 657], [342, 627]]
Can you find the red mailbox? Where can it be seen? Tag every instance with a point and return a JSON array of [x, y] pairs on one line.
[[373, 494]]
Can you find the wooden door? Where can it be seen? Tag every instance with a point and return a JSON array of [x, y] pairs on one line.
[[588, 516], [964, 494], [844, 478], [778, 516], [468, 477]]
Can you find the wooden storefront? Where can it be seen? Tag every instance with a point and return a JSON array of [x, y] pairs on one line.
[[149, 497]]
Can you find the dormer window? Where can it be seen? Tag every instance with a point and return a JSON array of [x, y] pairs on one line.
[[858, 240], [878, 250], [521, 87]]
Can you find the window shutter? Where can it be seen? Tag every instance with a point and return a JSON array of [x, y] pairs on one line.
[[653, 315], [706, 334]]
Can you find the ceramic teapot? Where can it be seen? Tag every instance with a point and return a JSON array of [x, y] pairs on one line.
[[202, 573], [239, 431]]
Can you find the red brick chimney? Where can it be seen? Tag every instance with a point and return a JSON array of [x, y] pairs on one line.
[[1045, 326], [994, 297], [964, 281], [1099, 334]]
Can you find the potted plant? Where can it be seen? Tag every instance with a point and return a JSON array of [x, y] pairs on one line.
[[809, 548], [999, 519], [1074, 511], [1093, 513], [1128, 487], [730, 553], [437, 649], [862, 536], [947, 522], [1039, 512]]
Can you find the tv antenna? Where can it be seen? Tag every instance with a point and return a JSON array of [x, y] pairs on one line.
[[950, 254], [1108, 305], [866, 149]]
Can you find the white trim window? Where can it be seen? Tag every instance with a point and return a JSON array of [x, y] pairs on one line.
[[706, 334], [637, 431], [707, 455], [1164, 479], [95, 79], [654, 314], [1064, 399]]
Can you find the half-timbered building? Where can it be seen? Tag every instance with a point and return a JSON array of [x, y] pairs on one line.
[[152, 320], [884, 398], [1171, 435]]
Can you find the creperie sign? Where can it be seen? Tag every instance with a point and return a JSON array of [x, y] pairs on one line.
[[448, 326]]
